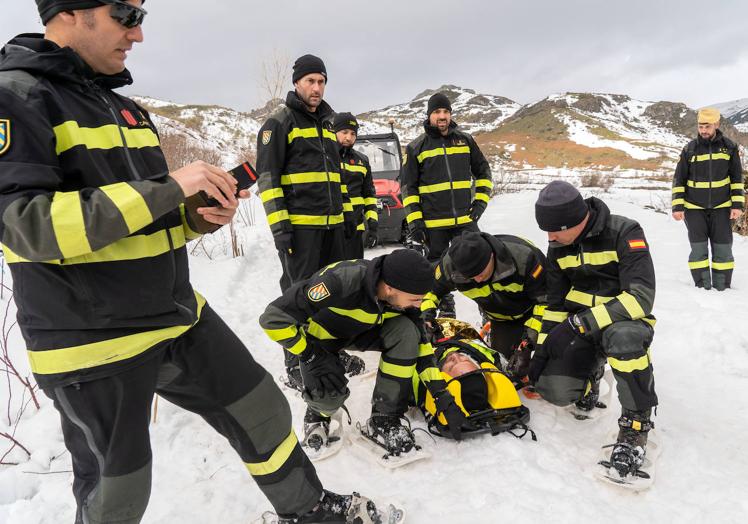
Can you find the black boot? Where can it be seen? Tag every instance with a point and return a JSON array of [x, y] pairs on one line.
[[631, 446], [447, 307], [339, 509], [590, 400], [316, 430], [390, 433]]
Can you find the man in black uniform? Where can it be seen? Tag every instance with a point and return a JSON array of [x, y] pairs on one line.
[[505, 277], [601, 289], [94, 229], [359, 184], [708, 192], [367, 305], [300, 185], [446, 184]]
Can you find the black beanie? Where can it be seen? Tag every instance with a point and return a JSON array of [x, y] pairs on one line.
[[559, 207], [438, 101], [49, 8], [408, 271], [470, 253], [473, 391], [345, 121], [306, 65]]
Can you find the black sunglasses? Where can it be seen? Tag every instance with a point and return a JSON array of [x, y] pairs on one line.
[[126, 14]]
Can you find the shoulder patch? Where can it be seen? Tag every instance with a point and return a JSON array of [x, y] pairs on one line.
[[266, 136], [318, 293], [637, 244], [4, 135], [537, 271]]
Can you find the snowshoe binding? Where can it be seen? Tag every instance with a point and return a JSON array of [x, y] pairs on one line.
[[390, 442], [628, 463], [353, 365], [341, 509], [292, 380], [587, 407], [322, 435]]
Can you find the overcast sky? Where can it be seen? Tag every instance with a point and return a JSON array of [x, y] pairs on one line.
[[381, 52]]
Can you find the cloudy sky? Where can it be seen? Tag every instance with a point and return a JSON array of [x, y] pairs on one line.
[[381, 52]]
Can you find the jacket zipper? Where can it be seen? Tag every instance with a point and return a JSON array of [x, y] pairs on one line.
[[324, 160], [451, 183], [709, 191]]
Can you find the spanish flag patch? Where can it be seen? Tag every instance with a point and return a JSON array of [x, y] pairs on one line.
[[537, 271], [637, 244]]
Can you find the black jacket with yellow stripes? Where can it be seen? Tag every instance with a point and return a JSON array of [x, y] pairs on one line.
[[335, 306], [709, 175], [299, 168], [92, 226], [441, 176], [605, 276], [515, 290], [359, 185]]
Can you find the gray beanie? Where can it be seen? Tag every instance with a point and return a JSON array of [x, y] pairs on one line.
[[559, 207], [49, 8]]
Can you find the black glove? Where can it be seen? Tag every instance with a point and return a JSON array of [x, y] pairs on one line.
[[418, 232], [284, 242], [445, 403], [349, 226], [562, 338], [321, 371], [371, 234], [477, 209], [537, 365], [519, 361]]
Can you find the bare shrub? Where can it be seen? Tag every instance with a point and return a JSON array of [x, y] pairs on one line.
[[180, 151], [597, 179]]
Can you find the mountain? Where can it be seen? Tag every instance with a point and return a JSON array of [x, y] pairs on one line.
[[595, 130], [735, 112], [475, 112]]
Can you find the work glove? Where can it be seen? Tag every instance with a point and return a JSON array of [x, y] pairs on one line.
[[349, 225], [445, 404], [284, 242], [371, 238], [321, 371], [477, 209], [564, 337], [537, 365], [519, 362], [418, 232]]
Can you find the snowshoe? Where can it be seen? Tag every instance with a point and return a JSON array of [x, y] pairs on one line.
[[388, 441], [322, 435], [597, 397], [341, 509], [292, 380], [353, 365]]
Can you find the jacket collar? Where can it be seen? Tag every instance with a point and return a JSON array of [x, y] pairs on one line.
[[323, 112], [434, 132]]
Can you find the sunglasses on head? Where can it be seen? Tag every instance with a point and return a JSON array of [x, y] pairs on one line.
[[126, 14]]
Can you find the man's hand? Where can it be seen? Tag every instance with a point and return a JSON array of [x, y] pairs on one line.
[[370, 240], [735, 214], [446, 405], [678, 215], [477, 209], [213, 181], [321, 371], [519, 361], [221, 215], [418, 232]]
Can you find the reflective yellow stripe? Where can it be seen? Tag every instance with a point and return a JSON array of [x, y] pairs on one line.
[[678, 202], [128, 248], [737, 198], [542, 337], [271, 194], [69, 134], [441, 222], [344, 189], [354, 168], [739, 185], [67, 221], [705, 185], [602, 317], [361, 227], [445, 186], [482, 182], [586, 299], [483, 350], [310, 178], [629, 366], [318, 332], [88, 356], [308, 132], [357, 201], [555, 316], [440, 151], [357, 314], [430, 374], [723, 266], [631, 305], [486, 290], [595, 258], [413, 199], [282, 333], [130, 203], [274, 218], [371, 201], [713, 156], [698, 264], [724, 204], [329, 135], [299, 346], [371, 215], [347, 207], [482, 197], [679, 189], [396, 370], [277, 459], [425, 350], [416, 215], [428, 304], [314, 220], [500, 316], [533, 323]]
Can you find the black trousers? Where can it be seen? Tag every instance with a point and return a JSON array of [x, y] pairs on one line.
[[207, 371], [438, 240], [353, 247], [710, 228], [506, 335], [313, 249]]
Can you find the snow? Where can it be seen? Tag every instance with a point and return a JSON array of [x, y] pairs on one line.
[[579, 132], [700, 355], [728, 109]]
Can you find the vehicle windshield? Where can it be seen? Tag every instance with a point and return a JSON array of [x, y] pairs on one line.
[[383, 156]]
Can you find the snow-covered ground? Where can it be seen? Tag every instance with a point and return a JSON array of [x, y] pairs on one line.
[[700, 355]]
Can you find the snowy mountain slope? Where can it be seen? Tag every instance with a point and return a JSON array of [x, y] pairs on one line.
[[474, 112], [700, 354], [735, 112]]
